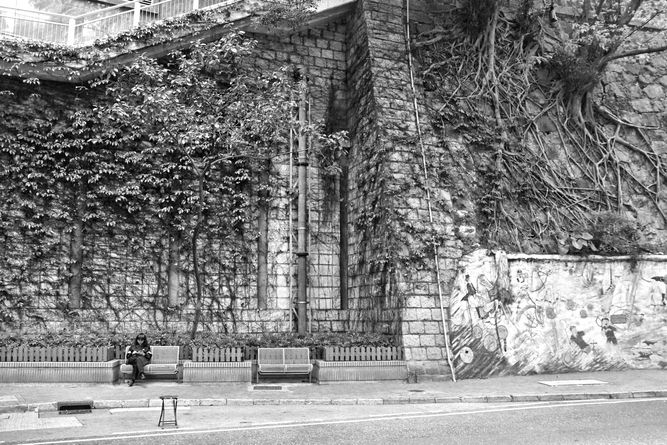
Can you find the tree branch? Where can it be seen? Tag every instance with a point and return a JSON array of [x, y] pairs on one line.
[[635, 52]]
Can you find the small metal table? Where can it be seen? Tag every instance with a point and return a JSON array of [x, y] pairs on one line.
[[163, 418]]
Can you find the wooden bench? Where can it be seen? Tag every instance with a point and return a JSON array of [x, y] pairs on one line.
[[283, 361], [164, 361]]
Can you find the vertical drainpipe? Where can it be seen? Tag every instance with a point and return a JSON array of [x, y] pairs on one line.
[[302, 252]]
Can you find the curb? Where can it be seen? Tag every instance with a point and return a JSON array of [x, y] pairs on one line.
[[395, 400]]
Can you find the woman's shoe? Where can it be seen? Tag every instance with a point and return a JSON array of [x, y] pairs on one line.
[[131, 383], [142, 376]]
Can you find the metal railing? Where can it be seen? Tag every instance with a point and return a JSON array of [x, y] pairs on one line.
[[84, 29]]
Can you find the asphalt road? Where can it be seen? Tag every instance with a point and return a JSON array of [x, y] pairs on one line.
[[638, 421]]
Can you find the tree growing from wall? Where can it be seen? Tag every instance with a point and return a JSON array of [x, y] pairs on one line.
[[522, 86]]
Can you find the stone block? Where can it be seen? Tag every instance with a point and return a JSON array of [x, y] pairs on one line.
[[642, 105], [136, 403], [427, 340], [525, 398], [266, 402], [417, 353], [318, 402], [643, 394], [369, 401], [499, 398], [292, 401], [448, 399], [107, 404], [397, 400], [343, 401], [212, 402], [410, 341], [416, 327], [473, 399], [434, 353], [433, 327], [238, 402], [654, 92]]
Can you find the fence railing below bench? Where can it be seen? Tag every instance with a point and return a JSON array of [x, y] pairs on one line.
[[360, 363], [362, 353], [217, 365], [55, 354], [218, 354]]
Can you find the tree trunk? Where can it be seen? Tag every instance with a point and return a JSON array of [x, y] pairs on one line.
[[76, 249], [344, 233], [173, 268], [263, 239], [195, 259]]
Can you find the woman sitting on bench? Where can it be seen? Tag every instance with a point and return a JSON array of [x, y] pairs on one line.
[[139, 355]]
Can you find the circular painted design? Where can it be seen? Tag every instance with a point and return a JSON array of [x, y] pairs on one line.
[[477, 332], [490, 343], [571, 305], [550, 312], [466, 355], [502, 332], [583, 313]]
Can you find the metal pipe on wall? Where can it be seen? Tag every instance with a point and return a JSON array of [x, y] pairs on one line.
[[302, 252], [436, 258]]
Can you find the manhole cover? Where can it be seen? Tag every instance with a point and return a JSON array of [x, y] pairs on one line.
[[267, 388]]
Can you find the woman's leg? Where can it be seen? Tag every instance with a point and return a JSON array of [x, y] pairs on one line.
[[141, 362], [133, 361]]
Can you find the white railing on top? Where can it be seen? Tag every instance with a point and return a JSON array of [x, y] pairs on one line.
[[84, 29]]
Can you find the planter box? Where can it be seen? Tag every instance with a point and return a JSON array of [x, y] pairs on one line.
[[217, 371], [359, 371], [60, 372], [59, 354]]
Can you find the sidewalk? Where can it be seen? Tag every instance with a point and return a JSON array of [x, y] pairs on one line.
[[21, 397]]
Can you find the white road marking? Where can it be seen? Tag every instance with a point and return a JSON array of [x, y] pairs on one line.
[[571, 382], [147, 408], [400, 416]]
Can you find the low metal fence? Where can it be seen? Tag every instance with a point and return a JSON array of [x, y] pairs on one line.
[[55, 354]]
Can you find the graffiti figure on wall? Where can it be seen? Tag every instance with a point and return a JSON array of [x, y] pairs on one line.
[[577, 338], [659, 291], [609, 331], [471, 293]]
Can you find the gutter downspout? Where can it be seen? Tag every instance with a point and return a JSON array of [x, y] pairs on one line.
[[302, 252]]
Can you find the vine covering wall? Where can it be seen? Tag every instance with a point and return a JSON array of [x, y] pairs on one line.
[[498, 160]]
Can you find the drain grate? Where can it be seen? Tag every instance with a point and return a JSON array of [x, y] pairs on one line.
[[75, 407], [415, 390], [267, 388]]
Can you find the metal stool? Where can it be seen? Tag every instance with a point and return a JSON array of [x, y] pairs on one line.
[[163, 418]]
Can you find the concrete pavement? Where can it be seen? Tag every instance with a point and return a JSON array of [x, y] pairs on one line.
[[44, 397]]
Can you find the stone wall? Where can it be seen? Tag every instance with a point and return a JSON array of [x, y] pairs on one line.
[[125, 278], [410, 203]]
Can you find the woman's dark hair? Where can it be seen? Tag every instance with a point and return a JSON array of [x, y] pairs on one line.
[[139, 336]]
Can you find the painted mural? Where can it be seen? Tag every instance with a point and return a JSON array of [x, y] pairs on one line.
[[525, 316]]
